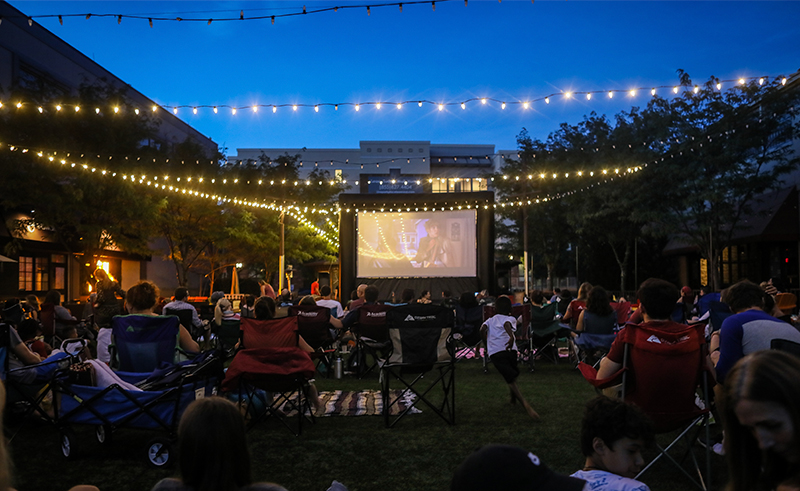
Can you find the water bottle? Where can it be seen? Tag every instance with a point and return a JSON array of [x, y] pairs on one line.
[[338, 366]]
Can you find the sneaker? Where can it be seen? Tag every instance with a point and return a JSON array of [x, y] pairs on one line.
[[715, 444]]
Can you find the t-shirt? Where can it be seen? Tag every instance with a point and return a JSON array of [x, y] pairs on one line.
[[336, 307], [597, 480], [497, 337], [617, 351], [746, 332], [181, 305]]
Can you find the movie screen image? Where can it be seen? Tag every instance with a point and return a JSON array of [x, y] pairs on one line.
[[416, 244]]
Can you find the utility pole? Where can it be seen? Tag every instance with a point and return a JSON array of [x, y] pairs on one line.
[[282, 258]]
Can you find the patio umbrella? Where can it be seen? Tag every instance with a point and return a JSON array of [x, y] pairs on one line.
[[4, 259], [234, 282]]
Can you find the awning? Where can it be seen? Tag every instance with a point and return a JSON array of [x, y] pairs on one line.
[[4, 259]]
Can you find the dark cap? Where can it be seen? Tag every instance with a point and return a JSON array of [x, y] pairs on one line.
[[508, 468]]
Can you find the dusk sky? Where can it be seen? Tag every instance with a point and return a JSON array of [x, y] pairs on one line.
[[509, 51]]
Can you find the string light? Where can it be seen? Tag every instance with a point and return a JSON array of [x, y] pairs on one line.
[[240, 17]]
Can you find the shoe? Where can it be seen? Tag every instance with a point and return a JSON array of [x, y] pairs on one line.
[[716, 444]]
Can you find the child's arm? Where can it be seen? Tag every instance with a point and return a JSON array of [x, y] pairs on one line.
[[510, 331]]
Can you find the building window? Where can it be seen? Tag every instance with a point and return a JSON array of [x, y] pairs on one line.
[[59, 262], [26, 274], [42, 277], [459, 185]]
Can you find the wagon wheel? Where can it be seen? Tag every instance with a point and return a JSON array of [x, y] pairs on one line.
[[159, 452], [68, 445], [103, 434]]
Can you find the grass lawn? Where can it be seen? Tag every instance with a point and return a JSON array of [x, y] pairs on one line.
[[420, 453]]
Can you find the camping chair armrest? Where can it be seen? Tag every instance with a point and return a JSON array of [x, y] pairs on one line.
[[113, 361], [590, 374]]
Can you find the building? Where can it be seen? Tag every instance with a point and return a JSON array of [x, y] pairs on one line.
[[29, 55], [392, 166]]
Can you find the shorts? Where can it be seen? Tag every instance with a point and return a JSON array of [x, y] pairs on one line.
[[506, 363]]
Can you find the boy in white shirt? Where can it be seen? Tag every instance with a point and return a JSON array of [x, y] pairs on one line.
[[498, 334], [613, 434]]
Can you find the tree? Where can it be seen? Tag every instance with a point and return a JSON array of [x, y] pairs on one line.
[[724, 150]]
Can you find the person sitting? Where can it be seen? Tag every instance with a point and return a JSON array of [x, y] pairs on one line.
[[30, 332], [509, 468], [498, 334], [750, 329], [180, 303], [564, 301], [577, 305], [327, 301], [657, 301], [371, 293], [64, 320], [761, 408], [246, 307], [469, 318], [31, 306], [285, 300], [140, 300], [212, 450], [613, 435], [224, 311], [598, 317], [309, 300], [688, 303], [556, 297], [537, 298], [425, 297]]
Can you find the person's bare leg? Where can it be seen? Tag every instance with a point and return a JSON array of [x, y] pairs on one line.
[[515, 391]]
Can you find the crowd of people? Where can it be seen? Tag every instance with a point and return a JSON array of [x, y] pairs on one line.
[[757, 389]]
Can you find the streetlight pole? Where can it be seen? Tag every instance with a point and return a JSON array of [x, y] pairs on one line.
[[282, 258]]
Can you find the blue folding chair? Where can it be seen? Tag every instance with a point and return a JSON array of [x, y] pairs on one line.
[[143, 343]]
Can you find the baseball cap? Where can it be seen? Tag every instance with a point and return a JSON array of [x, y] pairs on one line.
[[509, 468], [686, 290]]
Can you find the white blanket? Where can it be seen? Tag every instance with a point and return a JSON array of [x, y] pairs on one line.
[[106, 377]]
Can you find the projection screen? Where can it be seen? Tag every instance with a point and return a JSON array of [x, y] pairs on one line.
[[416, 244]]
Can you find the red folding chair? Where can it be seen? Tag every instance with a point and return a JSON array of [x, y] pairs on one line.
[[661, 372], [272, 363]]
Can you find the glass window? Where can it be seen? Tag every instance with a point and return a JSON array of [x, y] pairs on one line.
[[26, 274], [58, 258], [42, 278], [59, 277]]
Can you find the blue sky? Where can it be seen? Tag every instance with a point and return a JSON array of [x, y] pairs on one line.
[[509, 50]]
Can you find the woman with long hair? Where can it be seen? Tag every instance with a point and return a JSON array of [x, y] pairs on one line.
[[212, 451], [577, 305], [761, 408], [598, 317]]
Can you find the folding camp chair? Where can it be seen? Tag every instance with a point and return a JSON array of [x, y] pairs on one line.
[[227, 336], [47, 318], [719, 311], [785, 345], [271, 363], [544, 333], [372, 336], [662, 370], [314, 325], [467, 334], [421, 343], [592, 348], [187, 321], [143, 343]]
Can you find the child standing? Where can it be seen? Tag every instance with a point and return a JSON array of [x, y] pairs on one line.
[[613, 435], [498, 333]]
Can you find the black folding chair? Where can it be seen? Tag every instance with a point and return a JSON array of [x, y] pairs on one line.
[[421, 343], [372, 336]]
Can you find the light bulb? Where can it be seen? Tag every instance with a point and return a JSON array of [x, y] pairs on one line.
[[568, 95], [675, 89], [741, 81], [588, 97], [316, 109], [116, 109], [233, 110], [441, 107], [294, 107], [274, 109], [154, 108], [175, 110], [215, 109], [783, 81], [77, 108], [719, 86], [696, 89], [526, 105], [503, 105], [463, 106], [761, 81], [633, 92], [399, 106], [358, 107], [194, 110], [652, 91], [97, 110], [483, 101], [547, 100], [420, 102], [610, 95], [378, 105], [58, 107], [41, 110], [136, 111]]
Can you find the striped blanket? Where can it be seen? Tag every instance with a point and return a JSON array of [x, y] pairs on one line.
[[361, 403]]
